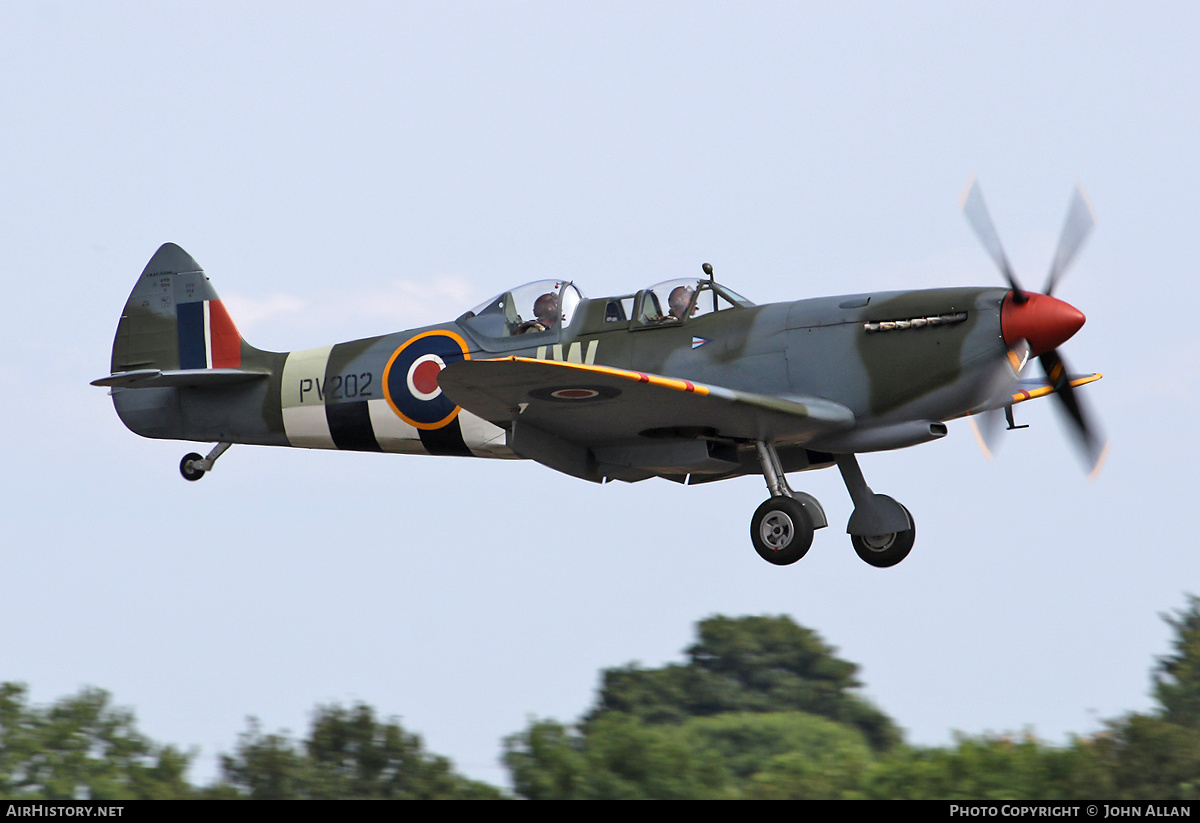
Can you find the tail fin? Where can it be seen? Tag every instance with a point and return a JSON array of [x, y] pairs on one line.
[[174, 320], [180, 370]]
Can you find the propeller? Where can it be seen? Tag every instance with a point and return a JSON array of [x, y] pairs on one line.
[[1038, 324]]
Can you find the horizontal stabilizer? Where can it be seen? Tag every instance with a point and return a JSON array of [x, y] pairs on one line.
[[178, 378]]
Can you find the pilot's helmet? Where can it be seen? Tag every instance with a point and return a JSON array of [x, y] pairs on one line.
[[545, 308], [678, 302]]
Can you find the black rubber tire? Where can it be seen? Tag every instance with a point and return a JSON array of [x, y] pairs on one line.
[[886, 550], [781, 531], [188, 472]]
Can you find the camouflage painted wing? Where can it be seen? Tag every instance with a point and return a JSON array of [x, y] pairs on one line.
[[598, 405]]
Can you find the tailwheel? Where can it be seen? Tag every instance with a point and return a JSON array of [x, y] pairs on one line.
[[187, 467], [781, 531], [885, 550], [193, 466]]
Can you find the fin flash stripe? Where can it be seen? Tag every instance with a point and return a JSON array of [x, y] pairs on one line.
[[207, 337]]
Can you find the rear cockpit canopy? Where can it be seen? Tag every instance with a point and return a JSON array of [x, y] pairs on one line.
[[535, 308]]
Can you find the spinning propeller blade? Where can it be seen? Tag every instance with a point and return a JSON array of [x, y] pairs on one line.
[[976, 212], [1040, 320], [1092, 445], [1079, 223]]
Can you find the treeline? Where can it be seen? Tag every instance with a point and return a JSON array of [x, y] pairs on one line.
[[83, 747], [761, 709]]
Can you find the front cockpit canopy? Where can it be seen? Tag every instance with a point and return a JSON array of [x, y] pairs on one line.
[[674, 301], [535, 308]]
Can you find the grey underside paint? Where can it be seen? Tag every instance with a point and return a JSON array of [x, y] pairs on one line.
[[228, 414]]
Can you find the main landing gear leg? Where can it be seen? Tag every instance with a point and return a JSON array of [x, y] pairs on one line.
[[882, 530], [782, 527], [193, 466]]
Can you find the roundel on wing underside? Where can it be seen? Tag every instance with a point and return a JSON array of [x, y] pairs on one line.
[[410, 381], [574, 394]]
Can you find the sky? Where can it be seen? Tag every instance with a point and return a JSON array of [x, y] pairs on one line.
[[352, 169]]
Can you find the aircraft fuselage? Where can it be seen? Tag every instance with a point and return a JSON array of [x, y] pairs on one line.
[[886, 356]]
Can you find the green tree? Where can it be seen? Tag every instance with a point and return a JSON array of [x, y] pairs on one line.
[[263, 767], [1148, 758], [1177, 676], [82, 748], [1156, 756], [618, 758], [787, 755], [747, 664], [546, 762], [989, 767], [348, 754], [761, 708], [1153, 756], [759, 755]]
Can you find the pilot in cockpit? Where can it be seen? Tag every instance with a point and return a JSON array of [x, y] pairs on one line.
[[545, 310], [678, 302]]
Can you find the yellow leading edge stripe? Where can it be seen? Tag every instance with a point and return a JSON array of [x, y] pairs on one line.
[[1042, 391], [636, 376], [700, 389]]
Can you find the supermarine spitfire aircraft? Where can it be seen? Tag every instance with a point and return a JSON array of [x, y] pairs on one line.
[[684, 380]]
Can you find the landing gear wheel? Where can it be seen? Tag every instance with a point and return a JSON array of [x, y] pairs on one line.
[[781, 531], [885, 550], [187, 467]]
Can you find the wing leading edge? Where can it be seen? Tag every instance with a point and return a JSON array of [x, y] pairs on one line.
[[1030, 389]]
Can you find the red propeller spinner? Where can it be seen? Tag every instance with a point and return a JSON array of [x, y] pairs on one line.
[[1046, 322]]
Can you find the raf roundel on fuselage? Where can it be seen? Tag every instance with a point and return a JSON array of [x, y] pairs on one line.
[[410, 378]]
